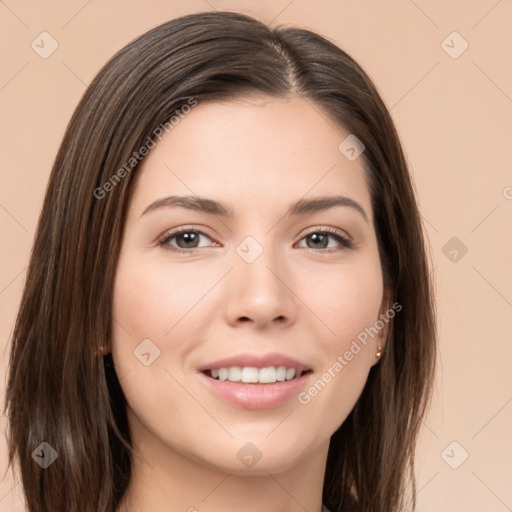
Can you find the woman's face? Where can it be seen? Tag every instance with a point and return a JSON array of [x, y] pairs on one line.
[[220, 296]]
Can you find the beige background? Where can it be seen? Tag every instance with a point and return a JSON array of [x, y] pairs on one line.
[[454, 116]]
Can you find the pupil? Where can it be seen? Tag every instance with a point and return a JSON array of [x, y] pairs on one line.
[[189, 239], [316, 237]]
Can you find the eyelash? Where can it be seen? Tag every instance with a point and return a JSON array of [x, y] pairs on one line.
[[167, 237]]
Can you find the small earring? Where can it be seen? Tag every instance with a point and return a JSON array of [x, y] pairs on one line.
[[103, 350], [379, 352]]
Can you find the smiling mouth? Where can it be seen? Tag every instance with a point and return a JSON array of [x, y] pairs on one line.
[[254, 375]]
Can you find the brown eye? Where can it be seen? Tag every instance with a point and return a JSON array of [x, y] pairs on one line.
[[184, 240]]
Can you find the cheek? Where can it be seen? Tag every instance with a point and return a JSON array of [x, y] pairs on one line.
[[154, 300], [346, 300], [150, 299], [150, 304]]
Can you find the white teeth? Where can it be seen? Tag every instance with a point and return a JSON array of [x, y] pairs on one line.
[[234, 373], [267, 375], [290, 373], [249, 374], [253, 375], [281, 373]]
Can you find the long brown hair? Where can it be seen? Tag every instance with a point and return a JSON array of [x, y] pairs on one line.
[[63, 392]]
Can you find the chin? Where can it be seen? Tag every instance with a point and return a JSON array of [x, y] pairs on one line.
[[259, 456]]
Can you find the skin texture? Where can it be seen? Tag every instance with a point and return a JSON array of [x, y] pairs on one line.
[[256, 155]]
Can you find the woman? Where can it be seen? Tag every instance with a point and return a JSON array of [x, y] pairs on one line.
[[228, 303]]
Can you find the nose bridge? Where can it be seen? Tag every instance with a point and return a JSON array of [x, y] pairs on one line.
[[257, 285], [256, 264]]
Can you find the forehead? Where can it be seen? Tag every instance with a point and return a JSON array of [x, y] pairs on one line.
[[251, 152]]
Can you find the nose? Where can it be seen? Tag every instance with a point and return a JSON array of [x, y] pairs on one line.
[[261, 292]]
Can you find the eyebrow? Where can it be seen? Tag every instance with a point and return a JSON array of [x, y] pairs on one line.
[[212, 207]]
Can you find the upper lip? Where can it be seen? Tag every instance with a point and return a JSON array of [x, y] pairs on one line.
[[257, 361]]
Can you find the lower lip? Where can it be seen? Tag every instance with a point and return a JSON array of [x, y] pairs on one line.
[[255, 396]]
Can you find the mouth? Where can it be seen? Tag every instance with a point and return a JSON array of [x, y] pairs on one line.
[[254, 375], [252, 381]]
